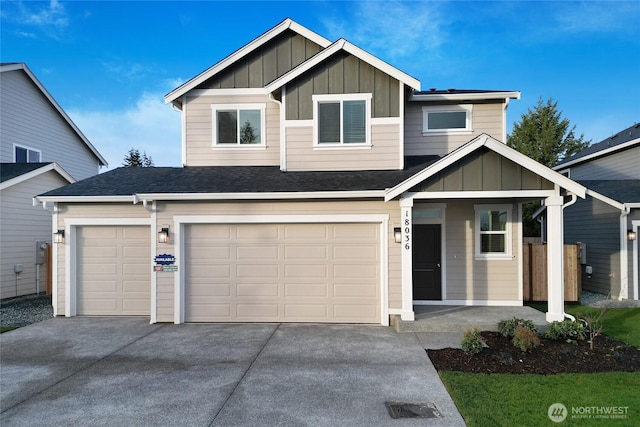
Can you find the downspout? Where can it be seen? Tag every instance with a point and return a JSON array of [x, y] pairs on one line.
[[624, 257], [283, 146], [574, 199]]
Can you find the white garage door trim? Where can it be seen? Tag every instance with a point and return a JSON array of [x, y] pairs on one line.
[[70, 281], [181, 220]]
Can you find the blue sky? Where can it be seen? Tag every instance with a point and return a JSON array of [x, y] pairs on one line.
[[109, 64]]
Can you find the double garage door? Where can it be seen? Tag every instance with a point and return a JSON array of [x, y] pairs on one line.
[[282, 273]]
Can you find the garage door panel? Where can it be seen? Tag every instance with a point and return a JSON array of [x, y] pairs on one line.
[[212, 271], [113, 270], [284, 272]]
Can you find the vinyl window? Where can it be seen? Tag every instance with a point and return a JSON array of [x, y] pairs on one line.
[[26, 155], [238, 125], [493, 231], [447, 119], [342, 119]]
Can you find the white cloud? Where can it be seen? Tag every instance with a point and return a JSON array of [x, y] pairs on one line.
[[595, 17], [149, 126], [51, 19]]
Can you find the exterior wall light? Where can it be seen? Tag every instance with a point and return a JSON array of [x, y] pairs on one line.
[[58, 236], [163, 234], [397, 235], [632, 235]]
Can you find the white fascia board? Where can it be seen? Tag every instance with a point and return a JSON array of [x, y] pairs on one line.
[[36, 172], [597, 154], [509, 194], [465, 96], [243, 51], [86, 199], [342, 44], [262, 196], [632, 205], [498, 147], [22, 66]]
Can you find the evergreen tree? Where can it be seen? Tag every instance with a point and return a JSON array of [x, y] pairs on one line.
[[247, 134], [546, 137], [136, 160]]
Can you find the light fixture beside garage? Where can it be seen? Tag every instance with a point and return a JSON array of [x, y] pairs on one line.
[[397, 234], [631, 235], [58, 236], [163, 234]]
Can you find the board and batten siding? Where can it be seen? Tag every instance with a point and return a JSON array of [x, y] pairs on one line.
[[597, 225], [88, 210], [487, 118], [471, 279], [384, 153], [267, 63], [28, 119], [21, 225], [343, 73], [200, 150], [620, 165], [165, 284]]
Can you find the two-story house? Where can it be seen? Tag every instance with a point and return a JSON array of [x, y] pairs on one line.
[[320, 184], [607, 222], [41, 148]]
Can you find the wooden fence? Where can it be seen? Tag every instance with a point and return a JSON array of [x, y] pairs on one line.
[[535, 272]]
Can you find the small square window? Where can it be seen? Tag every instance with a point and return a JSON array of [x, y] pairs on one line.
[[26, 155], [342, 119], [238, 125]]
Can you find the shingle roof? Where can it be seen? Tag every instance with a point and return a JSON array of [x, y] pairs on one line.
[[620, 190], [12, 170], [235, 179], [630, 133]]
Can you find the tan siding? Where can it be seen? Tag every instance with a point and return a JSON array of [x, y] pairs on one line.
[[487, 118], [471, 279], [384, 154], [199, 134], [623, 165], [28, 119], [21, 225]]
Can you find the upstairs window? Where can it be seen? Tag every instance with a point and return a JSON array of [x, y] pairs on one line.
[[446, 119], [342, 119], [493, 231], [238, 125], [26, 155]]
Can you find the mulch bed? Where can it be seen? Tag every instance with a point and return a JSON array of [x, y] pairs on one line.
[[551, 357]]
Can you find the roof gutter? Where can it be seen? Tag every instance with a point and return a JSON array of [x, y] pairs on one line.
[[367, 194], [455, 96]]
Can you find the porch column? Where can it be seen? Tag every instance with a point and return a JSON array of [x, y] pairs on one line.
[[555, 258], [406, 209]]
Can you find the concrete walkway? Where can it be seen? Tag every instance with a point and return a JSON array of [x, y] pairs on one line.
[[123, 371]]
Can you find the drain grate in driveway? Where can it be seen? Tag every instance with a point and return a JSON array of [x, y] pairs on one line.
[[412, 410]]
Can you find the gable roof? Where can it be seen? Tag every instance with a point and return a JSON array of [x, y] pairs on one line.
[[285, 25], [491, 143], [21, 66], [233, 182], [622, 140], [342, 45], [15, 173]]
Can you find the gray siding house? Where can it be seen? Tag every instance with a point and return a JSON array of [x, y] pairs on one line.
[[40, 149], [607, 221], [320, 184]]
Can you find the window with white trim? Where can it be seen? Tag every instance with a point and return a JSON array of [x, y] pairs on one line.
[[493, 231], [26, 155], [447, 119], [342, 119], [238, 125]]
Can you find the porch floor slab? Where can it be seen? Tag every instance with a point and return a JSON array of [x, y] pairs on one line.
[[450, 318]]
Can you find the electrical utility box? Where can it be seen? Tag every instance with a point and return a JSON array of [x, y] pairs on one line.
[[41, 252]]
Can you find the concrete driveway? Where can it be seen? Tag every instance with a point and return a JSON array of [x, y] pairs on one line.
[[123, 371]]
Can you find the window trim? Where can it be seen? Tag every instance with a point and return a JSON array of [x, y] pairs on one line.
[[468, 108], [238, 107], [15, 158], [317, 99], [508, 254]]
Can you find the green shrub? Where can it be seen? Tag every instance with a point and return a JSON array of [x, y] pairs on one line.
[[524, 338], [472, 342], [568, 330], [507, 327]]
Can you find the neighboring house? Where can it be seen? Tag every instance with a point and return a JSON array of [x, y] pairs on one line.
[[319, 185], [40, 149], [607, 222]]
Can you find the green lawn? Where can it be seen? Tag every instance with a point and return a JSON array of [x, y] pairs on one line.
[[4, 329], [523, 400]]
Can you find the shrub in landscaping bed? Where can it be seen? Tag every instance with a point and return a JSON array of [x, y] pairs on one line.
[[508, 327]]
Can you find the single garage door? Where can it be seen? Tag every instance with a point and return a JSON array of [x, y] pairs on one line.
[[113, 270], [282, 273]]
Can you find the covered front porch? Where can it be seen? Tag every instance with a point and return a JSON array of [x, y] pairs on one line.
[[457, 318]]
